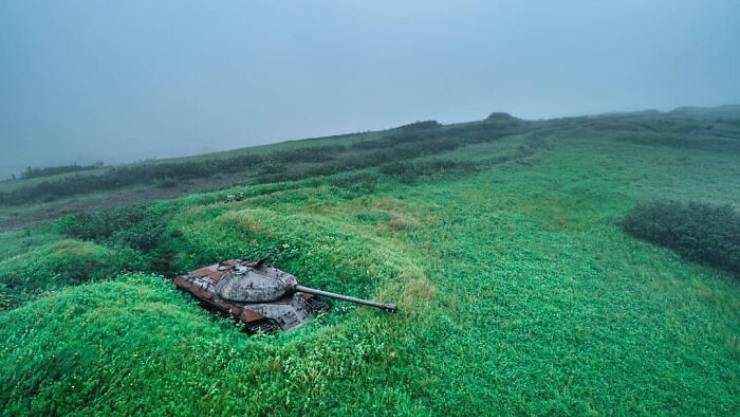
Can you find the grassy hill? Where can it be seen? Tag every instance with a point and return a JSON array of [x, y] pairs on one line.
[[502, 241]]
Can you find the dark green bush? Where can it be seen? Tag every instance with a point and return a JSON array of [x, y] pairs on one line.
[[421, 125], [696, 231], [502, 117], [136, 227], [33, 172]]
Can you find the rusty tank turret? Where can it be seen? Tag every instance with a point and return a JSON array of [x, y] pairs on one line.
[[262, 297]]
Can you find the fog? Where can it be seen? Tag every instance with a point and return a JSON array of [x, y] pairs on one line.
[[86, 81]]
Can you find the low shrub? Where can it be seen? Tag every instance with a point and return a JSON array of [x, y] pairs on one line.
[[696, 231], [33, 172], [502, 117], [421, 125], [137, 227], [134, 226], [307, 154], [271, 167], [363, 183], [57, 265]]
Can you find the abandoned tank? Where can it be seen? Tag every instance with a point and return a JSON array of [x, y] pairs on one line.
[[262, 297]]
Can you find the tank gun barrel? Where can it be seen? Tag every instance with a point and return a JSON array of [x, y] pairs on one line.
[[391, 308]]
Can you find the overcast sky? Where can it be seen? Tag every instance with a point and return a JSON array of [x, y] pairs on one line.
[[115, 81]]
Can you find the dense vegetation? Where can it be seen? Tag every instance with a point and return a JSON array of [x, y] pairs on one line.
[[696, 231], [35, 172], [410, 141], [502, 243]]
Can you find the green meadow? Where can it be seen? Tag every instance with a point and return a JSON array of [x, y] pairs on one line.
[[502, 242]]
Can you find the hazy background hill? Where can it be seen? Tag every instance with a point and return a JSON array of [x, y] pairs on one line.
[[85, 81], [45, 194]]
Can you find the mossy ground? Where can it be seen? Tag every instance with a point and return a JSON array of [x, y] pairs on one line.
[[519, 294]]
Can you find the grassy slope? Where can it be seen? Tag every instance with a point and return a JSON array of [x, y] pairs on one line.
[[519, 295], [8, 185], [13, 217]]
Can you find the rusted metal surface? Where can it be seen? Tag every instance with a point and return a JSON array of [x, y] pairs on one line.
[[266, 309], [262, 297]]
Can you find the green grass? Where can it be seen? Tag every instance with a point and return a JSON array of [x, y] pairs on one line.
[[519, 292]]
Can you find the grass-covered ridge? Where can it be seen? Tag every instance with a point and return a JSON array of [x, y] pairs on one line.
[[405, 142], [519, 291]]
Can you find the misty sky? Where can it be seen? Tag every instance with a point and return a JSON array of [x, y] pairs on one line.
[[115, 81]]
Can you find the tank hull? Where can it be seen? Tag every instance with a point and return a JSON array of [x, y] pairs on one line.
[[284, 313]]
